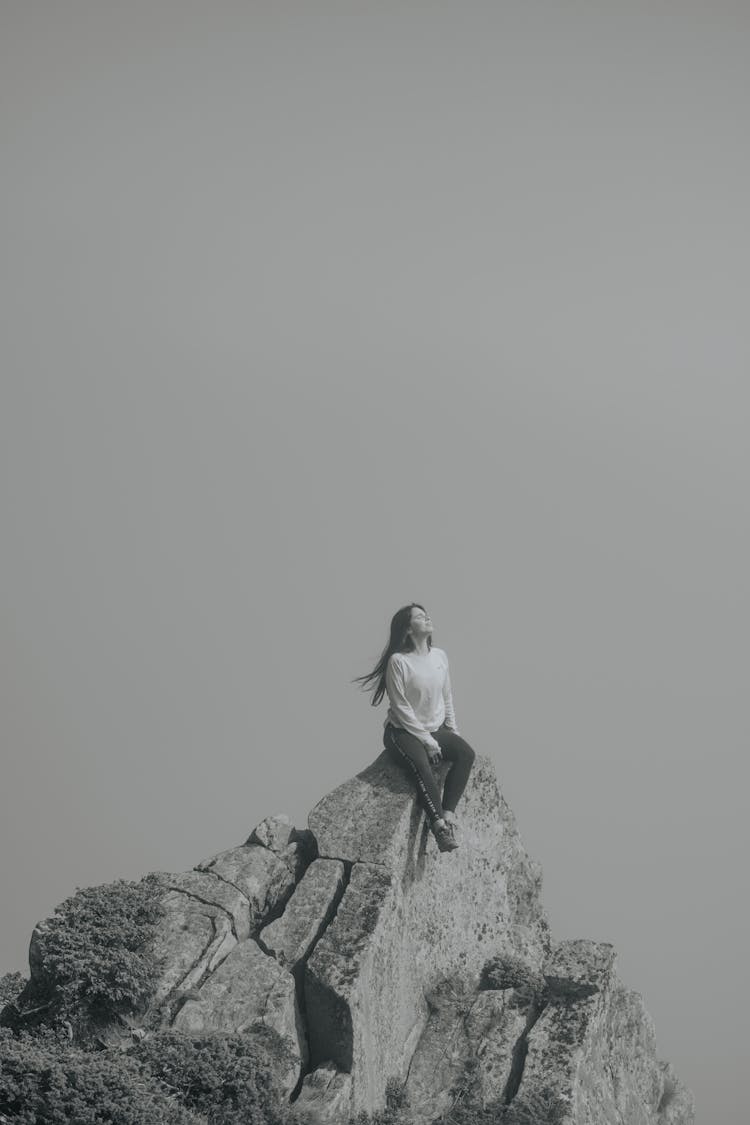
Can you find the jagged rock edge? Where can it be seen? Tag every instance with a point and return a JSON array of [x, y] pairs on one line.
[[298, 970], [173, 1001], [208, 902], [295, 837], [223, 878], [176, 998]]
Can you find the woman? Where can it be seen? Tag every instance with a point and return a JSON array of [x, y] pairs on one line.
[[420, 728]]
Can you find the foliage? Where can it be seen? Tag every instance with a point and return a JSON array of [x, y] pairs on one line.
[[542, 1107], [226, 1077], [93, 958], [168, 1077], [11, 985], [45, 1079], [466, 1101], [538, 1108], [466, 1108]]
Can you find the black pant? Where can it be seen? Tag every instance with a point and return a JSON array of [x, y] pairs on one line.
[[411, 754]]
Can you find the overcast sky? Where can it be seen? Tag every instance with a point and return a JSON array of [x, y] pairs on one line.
[[312, 310]]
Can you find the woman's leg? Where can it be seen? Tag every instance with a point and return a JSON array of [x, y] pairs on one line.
[[457, 751], [412, 755]]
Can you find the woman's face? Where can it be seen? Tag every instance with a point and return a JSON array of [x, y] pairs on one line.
[[421, 625]]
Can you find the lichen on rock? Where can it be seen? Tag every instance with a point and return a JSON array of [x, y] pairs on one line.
[[380, 964]]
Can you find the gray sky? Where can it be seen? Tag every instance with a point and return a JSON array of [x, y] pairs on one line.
[[310, 310]]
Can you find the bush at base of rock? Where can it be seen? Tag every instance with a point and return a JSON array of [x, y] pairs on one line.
[[466, 1109], [542, 1109], [538, 1112], [45, 1079], [92, 959], [11, 986], [226, 1077]]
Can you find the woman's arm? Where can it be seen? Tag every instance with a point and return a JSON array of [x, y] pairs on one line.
[[450, 714], [401, 707]]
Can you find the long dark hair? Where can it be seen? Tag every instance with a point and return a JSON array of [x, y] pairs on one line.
[[399, 641]]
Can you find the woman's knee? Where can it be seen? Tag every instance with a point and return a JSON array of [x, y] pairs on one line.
[[467, 753], [456, 748]]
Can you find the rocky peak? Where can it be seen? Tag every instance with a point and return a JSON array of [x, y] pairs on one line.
[[378, 959]]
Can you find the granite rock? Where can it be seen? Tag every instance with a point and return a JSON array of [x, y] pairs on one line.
[[591, 1055], [296, 848], [264, 879], [292, 936], [411, 918], [375, 957], [249, 990], [325, 1096], [677, 1104], [464, 1028]]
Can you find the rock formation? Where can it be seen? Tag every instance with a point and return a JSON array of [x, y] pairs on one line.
[[377, 959]]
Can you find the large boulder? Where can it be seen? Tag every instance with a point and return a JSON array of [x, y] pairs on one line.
[[375, 957], [464, 1027], [438, 971], [210, 972], [203, 921], [247, 992], [208, 910], [411, 918], [215, 976], [259, 874], [292, 937], [591, 1055]]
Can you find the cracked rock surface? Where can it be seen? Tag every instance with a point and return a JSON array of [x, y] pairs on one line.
[[249, 989], [593, 1049], [291, 938], [376, 958], [411, 918], [462, 1026]]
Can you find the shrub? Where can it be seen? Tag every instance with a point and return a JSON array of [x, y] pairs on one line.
[[11, 986], [466, 1108], [226, 1077], [93, 958], [45, 1079], [542, 1107], [539, 1108]]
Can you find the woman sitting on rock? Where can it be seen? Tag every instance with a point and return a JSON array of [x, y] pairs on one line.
[[420, 728]]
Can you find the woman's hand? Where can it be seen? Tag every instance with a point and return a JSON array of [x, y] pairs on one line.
[[434, 753]]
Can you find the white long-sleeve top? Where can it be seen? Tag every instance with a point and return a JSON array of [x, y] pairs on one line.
[[419, 693]]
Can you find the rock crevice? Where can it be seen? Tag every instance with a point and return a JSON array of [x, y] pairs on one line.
[[375, 958], [520, 1051]]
